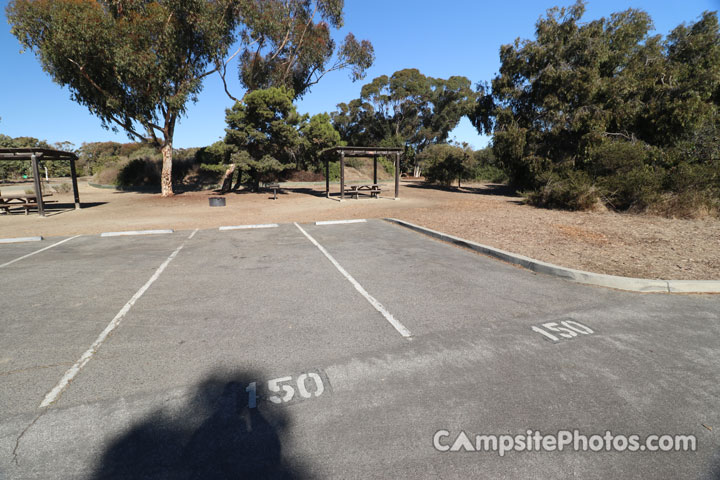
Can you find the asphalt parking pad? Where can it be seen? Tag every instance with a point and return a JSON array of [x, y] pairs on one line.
[[255, 354], [10, 252], [55, 303], [265, 300]]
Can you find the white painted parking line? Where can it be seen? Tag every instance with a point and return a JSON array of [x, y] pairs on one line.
[[340, 222], [246, 227], [38, 251], [72, 372], [377, 305], [20, 239], [136, 232], [193, 233]]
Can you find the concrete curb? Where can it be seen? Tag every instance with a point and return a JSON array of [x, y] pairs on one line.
[[589, 278], [20, 239], [136, 232], [247, 227], [340, 222]]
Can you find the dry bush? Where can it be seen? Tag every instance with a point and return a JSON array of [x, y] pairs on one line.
[[62, 188], [571, 191], [689, 205], [107, 176]]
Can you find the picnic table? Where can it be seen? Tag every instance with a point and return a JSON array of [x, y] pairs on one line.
[[26, 201], [372, 188]]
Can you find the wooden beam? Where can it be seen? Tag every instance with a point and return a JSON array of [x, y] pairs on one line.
[[397, 175], [375, 169], [38, 185], [327, 178], [73, 175], [342, 175]]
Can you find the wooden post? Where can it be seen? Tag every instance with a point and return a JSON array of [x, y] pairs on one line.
[[342, 175], [375, 169], [397, 175], [73, 175], [327, 178], [38, 185]]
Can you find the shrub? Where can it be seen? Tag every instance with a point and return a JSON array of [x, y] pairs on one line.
[[636, 189], [686, 205], [334, 170], [62, 188], [107, 175], [387, 164], [489, 173], [571, 190], [443, 164], [139, 172], [354, 162]]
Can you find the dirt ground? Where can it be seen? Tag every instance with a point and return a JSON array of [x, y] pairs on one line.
[[606, 242]]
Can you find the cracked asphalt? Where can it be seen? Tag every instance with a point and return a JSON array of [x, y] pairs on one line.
[[250, 354]]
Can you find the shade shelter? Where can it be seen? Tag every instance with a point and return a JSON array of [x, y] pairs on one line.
[[374, 152], [34, 155]]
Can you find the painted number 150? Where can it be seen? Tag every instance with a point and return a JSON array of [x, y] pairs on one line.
[[286, 389], [564, 330]]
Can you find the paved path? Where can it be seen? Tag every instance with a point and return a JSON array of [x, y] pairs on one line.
[[255, 352]]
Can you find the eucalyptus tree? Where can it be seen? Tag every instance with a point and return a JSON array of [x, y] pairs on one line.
[[133, 64], [137, 64], [405, 109], [288, 43]]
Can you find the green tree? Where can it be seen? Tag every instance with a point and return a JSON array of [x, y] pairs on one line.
[[264, 129], [16, 169], [407, 109], [136, 64], [569, 106], [133, 64], [284, 45], [355, 122], [317, 134], [443, 163]]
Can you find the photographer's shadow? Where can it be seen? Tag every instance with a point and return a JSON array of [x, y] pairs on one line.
[[215, 436]]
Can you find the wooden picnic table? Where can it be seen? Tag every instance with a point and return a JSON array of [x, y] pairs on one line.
[[372, 188], [26, 201]]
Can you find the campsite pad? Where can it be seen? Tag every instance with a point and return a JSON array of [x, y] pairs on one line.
[[306, 351]]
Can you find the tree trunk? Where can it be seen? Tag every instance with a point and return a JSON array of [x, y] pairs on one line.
[[239, 180], [166, 184], [226, 181]]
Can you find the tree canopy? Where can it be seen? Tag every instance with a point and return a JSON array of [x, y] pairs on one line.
[[571, 98], [264, 129], [443, 163], [407, 108], [136, 65], [284, 46]]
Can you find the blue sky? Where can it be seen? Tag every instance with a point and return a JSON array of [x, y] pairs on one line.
[[441, 39]]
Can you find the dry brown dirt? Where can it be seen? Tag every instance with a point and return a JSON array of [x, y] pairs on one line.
[[619, 244]]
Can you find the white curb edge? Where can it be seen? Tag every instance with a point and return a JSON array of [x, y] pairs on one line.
[[589, 278], [136, 232], [246, 227], [340, 222], [20, 239]]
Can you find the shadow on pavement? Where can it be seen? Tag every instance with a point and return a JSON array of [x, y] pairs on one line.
[[215, 436]]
